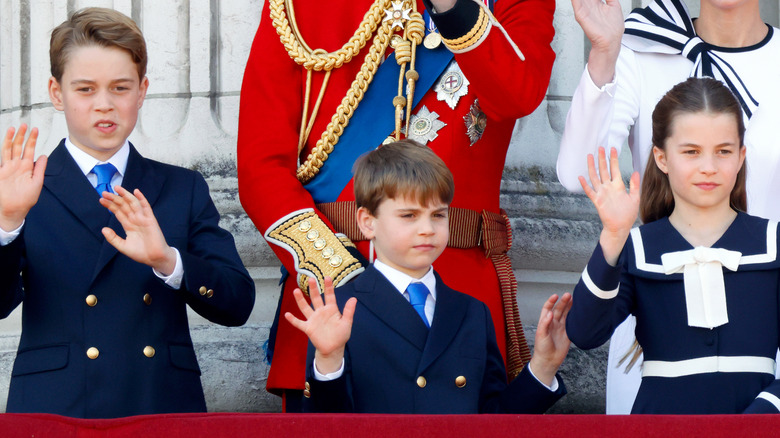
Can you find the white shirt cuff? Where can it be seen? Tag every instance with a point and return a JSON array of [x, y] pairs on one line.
[[553, 387], [174, 280], [7, 237], [330, 376], [608, 88]]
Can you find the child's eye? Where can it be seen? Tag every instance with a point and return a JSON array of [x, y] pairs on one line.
[[84, 89], [725, 151], [440, 215]]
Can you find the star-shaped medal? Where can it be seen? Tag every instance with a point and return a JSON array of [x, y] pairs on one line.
[[398, 15], [452, 85], [424, 125]]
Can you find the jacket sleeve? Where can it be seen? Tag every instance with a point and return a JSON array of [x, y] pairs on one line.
[[601, 301], [270, 193], [333, 396], [598, 117], [11, 264], [216, 284], [523, 395], [506, 86]]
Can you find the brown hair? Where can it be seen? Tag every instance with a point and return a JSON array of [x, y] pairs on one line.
[[401, 169], [694, 95], [96, 27]]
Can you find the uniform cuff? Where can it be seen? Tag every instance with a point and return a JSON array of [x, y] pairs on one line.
[[457, 21], [601, 279]]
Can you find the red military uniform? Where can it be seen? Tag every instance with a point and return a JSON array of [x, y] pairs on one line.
[[272, 99]]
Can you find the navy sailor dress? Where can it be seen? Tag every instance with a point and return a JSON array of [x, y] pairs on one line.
[[707, 318]]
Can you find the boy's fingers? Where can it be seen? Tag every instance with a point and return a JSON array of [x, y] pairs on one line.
[[29, 147], [18, 142], [349, 310], [39, 170], [8, 145], [114, 240], [303, 306], [297, 323]]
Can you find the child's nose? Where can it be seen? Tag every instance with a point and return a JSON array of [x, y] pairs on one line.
[[708, 164], [103, 101]]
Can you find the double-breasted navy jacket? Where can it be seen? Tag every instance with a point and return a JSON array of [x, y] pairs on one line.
[[102, 336]]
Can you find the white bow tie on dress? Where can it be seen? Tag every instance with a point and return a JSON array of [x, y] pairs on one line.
[[705, 293]]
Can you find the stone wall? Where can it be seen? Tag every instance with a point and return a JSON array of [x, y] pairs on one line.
[[197, 50]]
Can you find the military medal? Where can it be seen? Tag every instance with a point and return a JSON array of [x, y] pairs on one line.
[[476, 121], [398, 15], [452, 85], [433, 39], [424, 125]]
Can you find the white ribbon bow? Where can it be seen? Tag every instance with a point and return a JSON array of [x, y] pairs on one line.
[[705, 293]]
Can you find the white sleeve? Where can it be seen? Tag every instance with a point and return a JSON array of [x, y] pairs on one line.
[[598, 117], [7, 237]]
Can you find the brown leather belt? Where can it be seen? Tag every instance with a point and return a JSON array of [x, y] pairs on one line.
[[468, 229]]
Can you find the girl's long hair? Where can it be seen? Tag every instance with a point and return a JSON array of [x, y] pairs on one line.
[[695, 95]]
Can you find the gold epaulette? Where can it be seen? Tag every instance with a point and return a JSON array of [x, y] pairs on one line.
[[317, 251], [473, 37]]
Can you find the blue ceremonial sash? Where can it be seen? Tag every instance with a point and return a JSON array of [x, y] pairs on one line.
[[373, 120]]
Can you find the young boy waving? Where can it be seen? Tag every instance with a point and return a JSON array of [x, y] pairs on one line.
[[107, 248], [406, 343]]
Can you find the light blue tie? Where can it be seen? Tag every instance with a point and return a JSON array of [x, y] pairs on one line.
[[418, 293], [104, 174]]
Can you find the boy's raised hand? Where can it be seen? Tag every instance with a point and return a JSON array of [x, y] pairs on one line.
[[617, 208], [21, 177], [327, 328], [551, 343], [145, 242]]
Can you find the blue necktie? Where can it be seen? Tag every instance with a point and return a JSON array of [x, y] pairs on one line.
[[104, 174], [418, 293]]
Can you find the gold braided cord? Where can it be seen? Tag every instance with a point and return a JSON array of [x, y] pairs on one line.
[[318, 60], [300, 52], [346, 108]]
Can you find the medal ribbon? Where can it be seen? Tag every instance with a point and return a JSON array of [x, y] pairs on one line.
[[666, 27]]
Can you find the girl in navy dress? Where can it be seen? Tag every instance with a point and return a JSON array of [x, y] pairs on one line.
[[701, 276]]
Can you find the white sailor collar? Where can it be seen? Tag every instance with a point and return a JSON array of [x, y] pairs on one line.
[[755, 238]]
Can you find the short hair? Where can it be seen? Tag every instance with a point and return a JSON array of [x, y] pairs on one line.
[[694, 95], [401, 169], [96, 27]]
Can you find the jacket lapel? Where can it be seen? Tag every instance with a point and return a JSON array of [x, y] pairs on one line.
[[68, 184], [379, 296], [451, 308], [138, 175]]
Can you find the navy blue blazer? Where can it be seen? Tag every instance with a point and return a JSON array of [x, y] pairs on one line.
[[125, 350], [394, 364]]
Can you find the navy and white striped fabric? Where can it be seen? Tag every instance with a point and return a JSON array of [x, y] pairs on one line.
[[665, 26]]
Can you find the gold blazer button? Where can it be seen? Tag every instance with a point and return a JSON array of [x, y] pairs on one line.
[[421, 382]]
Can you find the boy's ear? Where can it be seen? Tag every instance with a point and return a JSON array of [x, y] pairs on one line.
[[365, 221], [55, 94], [660, 159], [142, 88]]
